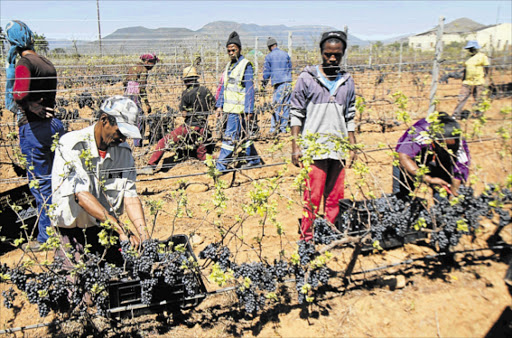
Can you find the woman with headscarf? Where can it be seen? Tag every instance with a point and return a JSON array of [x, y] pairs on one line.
[[135, 84], [30, 93]]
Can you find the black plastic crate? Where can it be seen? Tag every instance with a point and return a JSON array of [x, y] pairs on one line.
[[360, 223], [125, 295], [10, 222]]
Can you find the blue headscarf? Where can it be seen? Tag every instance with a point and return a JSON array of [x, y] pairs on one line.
[[21, 38]]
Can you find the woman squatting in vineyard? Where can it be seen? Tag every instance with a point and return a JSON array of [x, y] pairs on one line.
[[135, 84], [436, 146], [30, 93], [323, 103]]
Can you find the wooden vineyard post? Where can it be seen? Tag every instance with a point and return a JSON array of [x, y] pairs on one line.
[[290, 52], [400, 65], [202, 64], [217, 62], [345, 56], [370, 57], [176, 60], [256, 62], [435, 68]]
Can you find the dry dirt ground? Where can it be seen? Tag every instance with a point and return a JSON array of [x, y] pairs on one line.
[[437, 299]]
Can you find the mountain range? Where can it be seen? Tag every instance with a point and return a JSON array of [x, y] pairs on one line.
[[214, 34]]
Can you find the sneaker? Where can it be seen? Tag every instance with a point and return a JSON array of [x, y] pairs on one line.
[[33, 246], [148, 170]]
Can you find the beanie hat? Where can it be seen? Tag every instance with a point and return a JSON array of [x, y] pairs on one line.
[[342, 36], [234, 38], [271, 41]]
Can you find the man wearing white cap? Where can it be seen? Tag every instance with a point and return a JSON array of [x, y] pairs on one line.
[[93, 180], [474, 78]]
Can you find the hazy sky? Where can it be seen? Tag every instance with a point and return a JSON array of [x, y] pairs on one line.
[[371, 20]]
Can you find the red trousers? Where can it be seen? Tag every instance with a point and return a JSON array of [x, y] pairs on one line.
[[327, 179], [184, 133]]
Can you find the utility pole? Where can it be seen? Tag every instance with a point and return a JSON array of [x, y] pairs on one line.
[[99, 26]]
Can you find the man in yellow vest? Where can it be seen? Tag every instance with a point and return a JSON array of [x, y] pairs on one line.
[[477, 69], [236, 99]]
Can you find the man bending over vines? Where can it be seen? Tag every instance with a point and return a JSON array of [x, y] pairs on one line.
[[93, 179]]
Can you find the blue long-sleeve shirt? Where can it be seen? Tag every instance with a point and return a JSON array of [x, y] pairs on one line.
[[247, 82], [278, 67]]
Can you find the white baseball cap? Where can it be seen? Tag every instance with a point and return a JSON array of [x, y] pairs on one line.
[[125, 112]]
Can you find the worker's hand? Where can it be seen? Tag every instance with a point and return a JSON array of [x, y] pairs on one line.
[[37, 108], [352, 158], [218, 113], [296, 156], [436, 181], [143, 234], [135, 241]]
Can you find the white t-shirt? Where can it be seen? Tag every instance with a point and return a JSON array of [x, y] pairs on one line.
[[78, 167]]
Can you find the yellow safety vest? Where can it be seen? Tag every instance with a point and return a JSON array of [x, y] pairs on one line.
[[234, 93]]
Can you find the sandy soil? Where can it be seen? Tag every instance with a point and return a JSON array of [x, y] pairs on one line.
[[438, 299]]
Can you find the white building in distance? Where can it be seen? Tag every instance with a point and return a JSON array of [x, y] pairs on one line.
[[462, 30]]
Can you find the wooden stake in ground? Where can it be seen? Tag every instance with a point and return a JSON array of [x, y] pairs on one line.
[[435, 68]]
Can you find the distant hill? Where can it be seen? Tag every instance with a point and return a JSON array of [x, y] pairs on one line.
[[138, 38], [214, 34], [306, 35], [462, 25]]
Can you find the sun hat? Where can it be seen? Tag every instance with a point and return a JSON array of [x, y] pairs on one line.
[[125, 112]]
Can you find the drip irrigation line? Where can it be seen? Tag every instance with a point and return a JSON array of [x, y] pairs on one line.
[[29, 327], [231, 288], [205, 173], [428, 257], [170, 166]]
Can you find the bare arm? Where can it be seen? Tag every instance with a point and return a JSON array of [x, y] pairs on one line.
[[135, 213], [296, 153], [352, 140], [410, 166], [94, 208], [455, 186]]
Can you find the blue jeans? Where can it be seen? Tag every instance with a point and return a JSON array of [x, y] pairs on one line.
[[35, 143], [281, 101], [235, 132]]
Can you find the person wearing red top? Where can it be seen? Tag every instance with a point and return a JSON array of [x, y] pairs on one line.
[[32, 96]]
